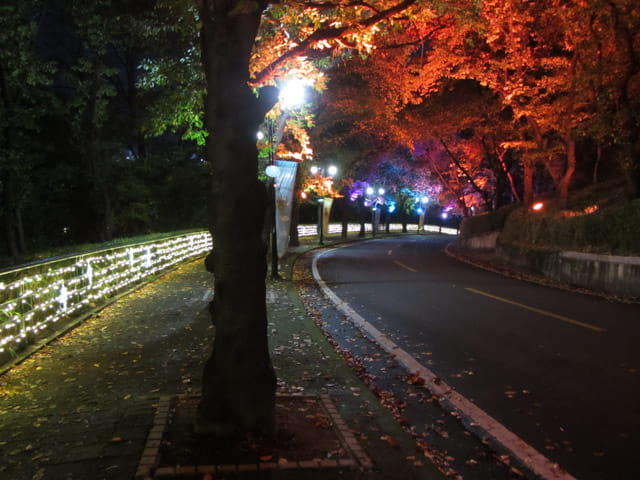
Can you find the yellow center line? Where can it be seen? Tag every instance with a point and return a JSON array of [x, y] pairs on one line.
[[537, 310], [400, 264]]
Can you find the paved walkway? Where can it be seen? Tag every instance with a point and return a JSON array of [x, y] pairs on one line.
[[82, 407]]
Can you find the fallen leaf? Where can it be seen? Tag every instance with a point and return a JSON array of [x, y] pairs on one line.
[[127, 396], [266, 458], [390, 440], [116, 439]]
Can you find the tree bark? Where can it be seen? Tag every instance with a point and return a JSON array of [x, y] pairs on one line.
[[7, 179], [527, 181], [565, 181], [238, 392], [9, 224]]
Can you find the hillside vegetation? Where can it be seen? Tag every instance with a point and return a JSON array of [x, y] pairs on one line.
[[598, 219]]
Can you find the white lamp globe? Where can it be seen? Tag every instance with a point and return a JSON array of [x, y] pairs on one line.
[[292, 94]]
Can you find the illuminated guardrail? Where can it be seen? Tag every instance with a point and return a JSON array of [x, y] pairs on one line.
[[312, 230], [37, 300]]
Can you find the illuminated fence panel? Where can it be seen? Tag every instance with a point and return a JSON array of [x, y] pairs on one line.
[[37, 299], [311, 230]]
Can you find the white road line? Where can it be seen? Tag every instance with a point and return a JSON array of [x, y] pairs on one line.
[[525, 453], [208, 296]]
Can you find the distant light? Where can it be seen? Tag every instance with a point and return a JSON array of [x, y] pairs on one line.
[[272, 171], [420, 210], [314, 170], [369, 191], [537, 206], [332, 170], [425, 199], [260, 135], [444, 215], [381, 191], [391, 208], [303, 195]]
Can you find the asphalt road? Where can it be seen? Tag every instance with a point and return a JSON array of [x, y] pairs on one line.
[[560, 370]]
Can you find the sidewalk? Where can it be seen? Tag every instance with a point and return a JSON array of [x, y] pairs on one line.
[[82, 407]]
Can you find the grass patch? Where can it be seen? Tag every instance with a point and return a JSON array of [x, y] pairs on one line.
[[598, 219]]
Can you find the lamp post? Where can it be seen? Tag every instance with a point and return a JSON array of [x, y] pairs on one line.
[[332, 171], [421, 211], [272, 172], [375, 213], [291, 95]]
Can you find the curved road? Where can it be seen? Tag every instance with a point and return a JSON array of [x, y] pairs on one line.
[[560, 370]]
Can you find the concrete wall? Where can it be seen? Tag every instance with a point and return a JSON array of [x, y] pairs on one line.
[[486, 241], [605, 273]]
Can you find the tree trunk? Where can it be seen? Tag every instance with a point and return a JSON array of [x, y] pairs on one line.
[[22, 245], [565, 181], [238, 391], [9, 224], [505, 169], [597, 164], [7, 179], [527, 181]]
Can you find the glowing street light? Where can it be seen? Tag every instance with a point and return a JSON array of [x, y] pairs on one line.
[[292, 93]]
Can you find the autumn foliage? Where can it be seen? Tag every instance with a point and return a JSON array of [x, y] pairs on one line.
[[497, 95]]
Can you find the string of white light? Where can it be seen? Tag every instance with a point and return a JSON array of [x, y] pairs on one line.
[[41, 295]]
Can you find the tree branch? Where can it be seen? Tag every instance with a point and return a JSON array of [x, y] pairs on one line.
[[327, 34], [482, 193], [332, 5]]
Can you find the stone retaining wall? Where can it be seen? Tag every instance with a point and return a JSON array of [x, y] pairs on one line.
[[605, 273]]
